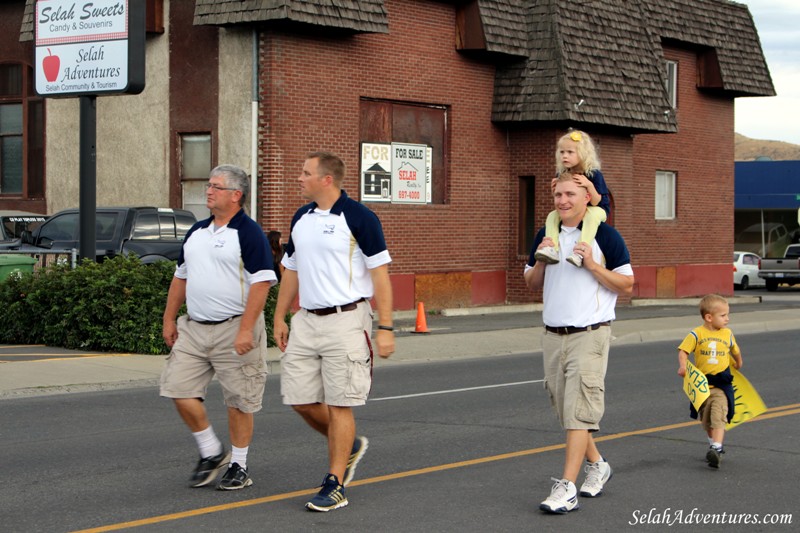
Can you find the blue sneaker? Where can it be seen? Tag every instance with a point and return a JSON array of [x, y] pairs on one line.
[[360, 446], [330, 497]]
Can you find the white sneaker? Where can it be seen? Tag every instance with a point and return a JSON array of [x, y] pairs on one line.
[[575, 259], [597, 474], [563, 497], [547, 255]]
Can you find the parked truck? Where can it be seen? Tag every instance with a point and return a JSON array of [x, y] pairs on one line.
[[152, 233], [784, 269]]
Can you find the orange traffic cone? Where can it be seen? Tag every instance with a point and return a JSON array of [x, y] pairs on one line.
[[422, 324]]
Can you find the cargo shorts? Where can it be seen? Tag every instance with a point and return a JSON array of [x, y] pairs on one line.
[[203, 351], [328, 359], [714, 411], [574, 376]]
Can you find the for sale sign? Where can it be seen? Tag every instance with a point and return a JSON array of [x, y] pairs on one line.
[[409, 173], [89, 47]]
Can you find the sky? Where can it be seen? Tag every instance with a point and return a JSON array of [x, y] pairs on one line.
[[775, 118]]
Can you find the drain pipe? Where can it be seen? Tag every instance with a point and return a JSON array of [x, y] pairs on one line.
[[254, 130]]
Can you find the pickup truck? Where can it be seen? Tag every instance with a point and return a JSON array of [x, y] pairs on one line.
[[152, 233], [775, 271]]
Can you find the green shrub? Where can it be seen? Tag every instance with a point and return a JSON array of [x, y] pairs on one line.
[[112, 306]]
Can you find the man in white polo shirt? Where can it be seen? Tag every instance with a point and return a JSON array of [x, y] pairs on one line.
[[224, 274], [336, 259], [578, 310]]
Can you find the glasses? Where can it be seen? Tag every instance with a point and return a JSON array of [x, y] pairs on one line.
[[218, 188]]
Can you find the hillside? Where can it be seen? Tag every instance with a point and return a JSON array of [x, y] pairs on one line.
[[747, 149]]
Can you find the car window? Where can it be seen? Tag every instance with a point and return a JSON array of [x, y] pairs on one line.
[[13, 226], [167, 223], [147, 227], [183, 224], [105, 224], [750, 260], [735, 257], [61, 228]]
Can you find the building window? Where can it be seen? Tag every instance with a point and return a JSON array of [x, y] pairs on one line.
[[195, 158], [390, 129], [21, 134], [672, 83], [527, 221], [665, 195]]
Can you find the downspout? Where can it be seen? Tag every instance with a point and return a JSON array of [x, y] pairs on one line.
[[254, 130]]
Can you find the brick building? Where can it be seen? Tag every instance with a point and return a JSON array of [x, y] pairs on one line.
[[485, 86]]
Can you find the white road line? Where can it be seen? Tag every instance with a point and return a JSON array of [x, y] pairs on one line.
[[434, 393]]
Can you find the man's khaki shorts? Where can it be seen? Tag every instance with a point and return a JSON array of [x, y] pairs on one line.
[[574, 376], [203, 351], [714, 411], [328, 358]]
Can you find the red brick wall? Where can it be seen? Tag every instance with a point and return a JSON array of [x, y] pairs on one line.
[[702, 155], [310, 91]]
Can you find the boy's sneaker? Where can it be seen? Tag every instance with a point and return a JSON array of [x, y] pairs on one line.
[[563, 497], [547, 255], [360, 445], [207, 469], [713, 456], [330, 497], [235, 478], [575, 259], [597, 474]]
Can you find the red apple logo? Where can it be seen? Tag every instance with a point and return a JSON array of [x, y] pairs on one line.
[[51, 64]]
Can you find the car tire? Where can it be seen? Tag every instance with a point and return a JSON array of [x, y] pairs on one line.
[[745, 284]]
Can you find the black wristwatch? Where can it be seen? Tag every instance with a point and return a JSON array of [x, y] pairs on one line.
[[386, 328]]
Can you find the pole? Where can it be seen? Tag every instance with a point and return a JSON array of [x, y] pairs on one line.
[[88, 177]]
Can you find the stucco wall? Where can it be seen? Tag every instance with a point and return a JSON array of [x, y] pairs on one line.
[[235, 74]]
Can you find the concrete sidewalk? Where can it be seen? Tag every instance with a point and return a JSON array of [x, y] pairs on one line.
[[103, 372]]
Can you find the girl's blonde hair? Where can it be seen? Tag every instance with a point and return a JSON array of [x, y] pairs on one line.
[[586, 153]]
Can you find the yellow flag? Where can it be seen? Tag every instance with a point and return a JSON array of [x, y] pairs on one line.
[[748, 403], [695, 385]]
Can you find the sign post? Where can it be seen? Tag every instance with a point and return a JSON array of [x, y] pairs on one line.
[[87, 48]]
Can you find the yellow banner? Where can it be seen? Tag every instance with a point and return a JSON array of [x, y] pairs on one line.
[[695, 385], [748, 403]]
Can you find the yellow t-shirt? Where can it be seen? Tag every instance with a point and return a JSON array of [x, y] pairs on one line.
[[712, 349]]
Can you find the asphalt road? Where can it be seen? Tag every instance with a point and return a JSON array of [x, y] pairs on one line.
[[455, 446]]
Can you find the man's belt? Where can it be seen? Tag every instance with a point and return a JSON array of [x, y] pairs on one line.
[[336, 309], [569, 330], [213, 322]]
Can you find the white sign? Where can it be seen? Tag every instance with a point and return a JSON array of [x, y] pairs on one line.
[[89, 47], [376, 172], [59, 22], [84, 67], [409, 162]]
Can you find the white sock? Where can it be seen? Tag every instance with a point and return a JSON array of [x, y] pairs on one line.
[[717, 445], [239, 455], [207, 442], [710, 441]]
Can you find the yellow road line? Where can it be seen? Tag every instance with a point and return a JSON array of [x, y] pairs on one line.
[[774, 412]]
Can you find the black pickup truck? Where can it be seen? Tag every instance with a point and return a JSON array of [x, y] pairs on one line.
[[152, 233]]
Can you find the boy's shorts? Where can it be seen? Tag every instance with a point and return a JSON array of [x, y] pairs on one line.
[[203, 351], [574, 376], [714, 411], [328, 358]]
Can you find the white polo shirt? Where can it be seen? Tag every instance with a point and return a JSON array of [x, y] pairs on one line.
[[572, 296], [220, 264], [333, 252]]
